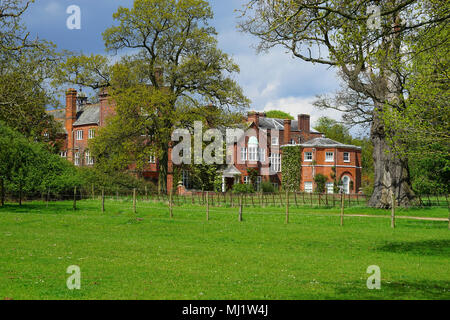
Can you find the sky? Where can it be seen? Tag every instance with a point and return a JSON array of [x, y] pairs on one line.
[[273, 80]]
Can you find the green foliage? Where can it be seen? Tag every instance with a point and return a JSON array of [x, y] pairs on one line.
[[253, 175], [26, 66], [243, 188], [121, 182], [277, 114], [291, 165], [267, 187], [334, 130], [175, 72], [29, 168], [320, 181]]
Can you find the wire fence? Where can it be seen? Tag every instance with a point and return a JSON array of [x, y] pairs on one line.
[[219, 199]]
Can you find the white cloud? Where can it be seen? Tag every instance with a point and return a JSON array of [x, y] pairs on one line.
[[54, 8], [300, 105]]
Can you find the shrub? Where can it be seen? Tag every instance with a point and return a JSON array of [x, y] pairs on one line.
[[243, 188], [267, 187], [320, 181]]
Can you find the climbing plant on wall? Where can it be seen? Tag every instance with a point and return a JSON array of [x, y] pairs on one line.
[[291, 167]]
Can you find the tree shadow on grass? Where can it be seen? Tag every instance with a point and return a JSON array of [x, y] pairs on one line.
[[398, 290], [423, 248]]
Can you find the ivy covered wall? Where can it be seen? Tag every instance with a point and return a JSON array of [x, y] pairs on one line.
[[291, 166]]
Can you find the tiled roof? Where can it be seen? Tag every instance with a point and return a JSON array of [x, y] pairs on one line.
[[278, 124], [90, 114], [327, 143]]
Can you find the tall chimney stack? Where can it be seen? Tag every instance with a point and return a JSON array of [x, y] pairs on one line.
[[287, 131], [71, 117], [304, 122]]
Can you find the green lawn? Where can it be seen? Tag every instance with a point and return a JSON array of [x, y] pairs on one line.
[[150, 256]]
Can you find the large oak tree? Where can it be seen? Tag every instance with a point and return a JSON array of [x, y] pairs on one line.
[[371, 60], [170, 72]]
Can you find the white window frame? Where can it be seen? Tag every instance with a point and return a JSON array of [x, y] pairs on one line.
[[243, 154], [246, 179], [262, 155], [329, 156], [91, 133], [292, 142], [348, 156], [275, 162], [330, 187], [306, 156], [76, 159], [79, 135], [253, 153], [275, 141], [89, 158], [63, 154], [308, 186], [152, 159]]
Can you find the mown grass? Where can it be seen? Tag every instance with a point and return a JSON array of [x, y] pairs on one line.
[[147, 255]]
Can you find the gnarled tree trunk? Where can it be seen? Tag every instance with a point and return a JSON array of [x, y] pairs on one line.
[[391, 171]]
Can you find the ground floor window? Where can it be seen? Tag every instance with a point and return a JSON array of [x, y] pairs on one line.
[[258, 183], [186, 176], [77, 159], [89, 158], [346, 184], [330, 187], [308, 186]]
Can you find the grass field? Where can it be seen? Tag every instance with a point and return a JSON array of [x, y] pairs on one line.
[[147, 255]]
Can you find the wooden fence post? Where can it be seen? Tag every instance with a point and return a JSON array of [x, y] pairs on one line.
[[295, 198], [207, 206], [75, 198], [287, 206], [134, 200], [92, 192], [393, 211], [103, 199], [146, 193], [342, 208], [281, 199], [240, 207]]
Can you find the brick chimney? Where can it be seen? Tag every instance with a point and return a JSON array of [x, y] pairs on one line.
[[287, 131], [254, 116], [304, 123], [71, 117]]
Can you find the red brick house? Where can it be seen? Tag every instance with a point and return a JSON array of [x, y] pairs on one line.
[[319, 154]]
